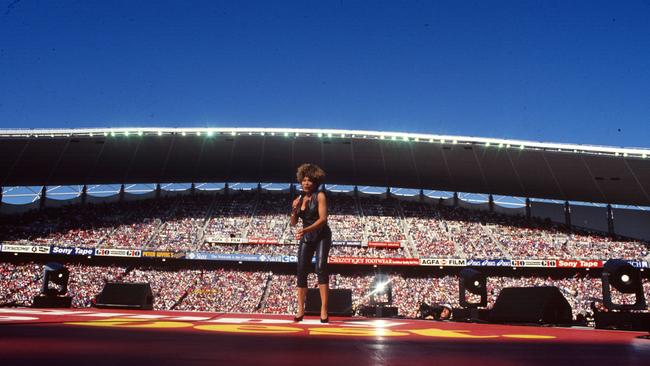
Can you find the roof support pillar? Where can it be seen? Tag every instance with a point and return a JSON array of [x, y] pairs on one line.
[[388, 195], [528, 210], [421, 195], [567, 214], [610, 220], [41, 201], [84, 194], [158, 190], [122, 193], [193, 189], [0, 196], [455, 199], [356, 192], [491, 202], [292, 191], [226, 189]]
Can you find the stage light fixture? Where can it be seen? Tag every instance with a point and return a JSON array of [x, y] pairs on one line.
[[54, 287], [475, 282], [623, 277]]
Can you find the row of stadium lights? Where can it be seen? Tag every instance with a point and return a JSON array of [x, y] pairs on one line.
[[210, 133]]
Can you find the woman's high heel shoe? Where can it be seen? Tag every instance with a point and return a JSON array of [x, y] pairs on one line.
[[297, 319], [326, 320]]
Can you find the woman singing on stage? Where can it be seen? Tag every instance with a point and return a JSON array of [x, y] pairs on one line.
[[315, 235]]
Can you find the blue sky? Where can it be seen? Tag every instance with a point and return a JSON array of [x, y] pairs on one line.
[[559, 71]]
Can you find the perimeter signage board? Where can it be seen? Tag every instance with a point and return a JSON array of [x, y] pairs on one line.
[[489, 262], [72, 250], [352, 243], [163, 254], [567, 263], [375, 261], [452, 262], [110, 252], [382, 244], [538, 263], [32, 249]]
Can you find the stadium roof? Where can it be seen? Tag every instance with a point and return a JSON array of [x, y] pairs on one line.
[[405, 160]]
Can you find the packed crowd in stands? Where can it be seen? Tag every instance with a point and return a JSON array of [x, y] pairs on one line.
[[87, 281], [427, 230], [229, 219], [344, 219], [19, 283], [208, 222], [237, 291], [167, 286], [225, 291], [181, 230], [382, 220], [270, 218]]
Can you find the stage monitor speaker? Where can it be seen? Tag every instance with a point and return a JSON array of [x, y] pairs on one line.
[[126, 296], [42, 301], [540, 305], [339, 302]]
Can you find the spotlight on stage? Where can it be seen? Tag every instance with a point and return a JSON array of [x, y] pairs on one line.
[[475, 282], [626, 279], [381, 299], [55, 286]]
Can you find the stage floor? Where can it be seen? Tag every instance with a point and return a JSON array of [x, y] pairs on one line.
[[111, 337]]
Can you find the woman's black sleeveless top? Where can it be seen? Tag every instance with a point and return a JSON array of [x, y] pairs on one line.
[[309, 216]]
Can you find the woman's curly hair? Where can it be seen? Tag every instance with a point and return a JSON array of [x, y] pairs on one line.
[[313, 172]]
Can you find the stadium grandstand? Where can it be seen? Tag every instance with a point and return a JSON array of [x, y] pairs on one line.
[[201, 215]]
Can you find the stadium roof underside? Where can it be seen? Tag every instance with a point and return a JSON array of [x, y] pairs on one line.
[[405, 160]]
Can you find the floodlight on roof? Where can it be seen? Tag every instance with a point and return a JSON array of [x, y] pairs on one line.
[[159, 133], [233, 133], [320, 134], [126, 133], [210, 133], [521, 147], [183, 133], [487, 144], [198, 133], [112, 133], [455, 142], [286, 134], [329, 135], [140, 133]]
